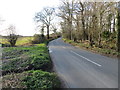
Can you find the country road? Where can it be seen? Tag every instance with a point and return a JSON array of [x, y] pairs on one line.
[[79, 68]]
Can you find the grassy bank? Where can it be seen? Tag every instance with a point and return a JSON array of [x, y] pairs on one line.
[[33, 79], [21, 41], [85, 45], [28, 67]]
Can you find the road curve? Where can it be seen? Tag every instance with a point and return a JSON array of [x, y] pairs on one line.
[[79, 68]]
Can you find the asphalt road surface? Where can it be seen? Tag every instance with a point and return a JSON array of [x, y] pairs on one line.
[[79, 68]]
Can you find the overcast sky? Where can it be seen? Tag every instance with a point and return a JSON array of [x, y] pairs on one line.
[[21, 13]]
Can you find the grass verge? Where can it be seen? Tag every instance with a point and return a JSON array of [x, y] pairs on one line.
[[34, 79], [28, 67], [85, 45], [18, 59]]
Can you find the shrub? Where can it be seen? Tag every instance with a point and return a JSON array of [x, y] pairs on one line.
[[38, 39], [6, 45], [39, 79], [106, 34], [12, 38]]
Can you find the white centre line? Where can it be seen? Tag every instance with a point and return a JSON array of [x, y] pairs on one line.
[[87, 59], [64, 47]]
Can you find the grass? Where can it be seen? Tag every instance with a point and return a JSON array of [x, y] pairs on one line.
[[28, 67], [3, 40], [22, 41], [34, 79], [26, 58], [106, 50]]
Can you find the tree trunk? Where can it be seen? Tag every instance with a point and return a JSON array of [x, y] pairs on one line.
[[91, 41], [99, 41], [118, 35], [47, 31], [99, 35], [83, 27], [70, 29], [114, 25]]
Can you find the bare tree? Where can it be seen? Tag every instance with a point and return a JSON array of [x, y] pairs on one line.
[[45, 16], [12, 37], [81, 9], [66, 11], [54, 29], [89, 21]]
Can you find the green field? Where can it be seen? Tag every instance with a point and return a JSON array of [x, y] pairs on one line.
[[28, 67], [25, 40], [3, 40]]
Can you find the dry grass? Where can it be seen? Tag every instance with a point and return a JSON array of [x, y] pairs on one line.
[[13, 80]]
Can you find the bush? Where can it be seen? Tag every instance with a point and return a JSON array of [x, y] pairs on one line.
[[106, 34], [6, 45], [39, 79], [41, 61], [38, 39], [12, 38]]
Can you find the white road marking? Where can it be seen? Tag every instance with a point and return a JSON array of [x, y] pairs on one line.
[[87, 59], [64, 47], [50, 50]]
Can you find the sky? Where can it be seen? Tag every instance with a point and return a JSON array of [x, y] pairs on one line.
[[20, 13]]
